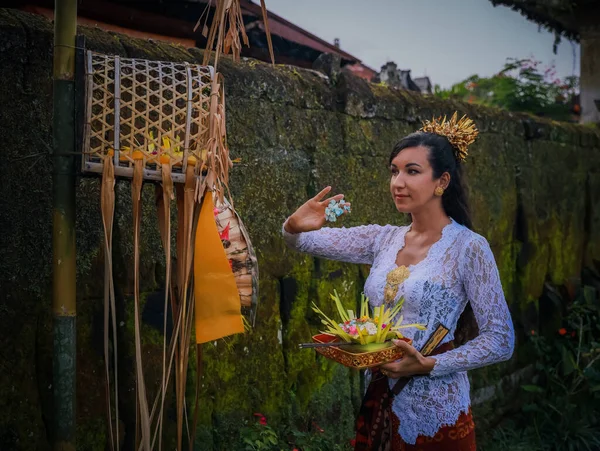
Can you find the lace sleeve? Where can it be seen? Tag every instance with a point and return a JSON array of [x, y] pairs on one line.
[[495, 342], [352, 245]]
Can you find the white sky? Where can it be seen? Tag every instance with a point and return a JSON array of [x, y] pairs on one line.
[[448, 40]]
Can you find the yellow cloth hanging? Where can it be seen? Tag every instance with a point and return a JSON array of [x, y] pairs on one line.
[[217, 308]]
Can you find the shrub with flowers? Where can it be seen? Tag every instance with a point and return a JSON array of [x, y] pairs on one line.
[[260, 436], [561, 409]]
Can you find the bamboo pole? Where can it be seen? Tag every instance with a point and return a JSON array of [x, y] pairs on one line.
[[63, 232]]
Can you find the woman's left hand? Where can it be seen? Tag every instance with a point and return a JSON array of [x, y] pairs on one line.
[[412, 363]]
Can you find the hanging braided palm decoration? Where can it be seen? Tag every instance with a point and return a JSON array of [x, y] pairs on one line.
[[164, 122]]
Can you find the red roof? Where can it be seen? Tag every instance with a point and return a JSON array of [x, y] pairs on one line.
[[362, 71], [137, 16], [287, 30]]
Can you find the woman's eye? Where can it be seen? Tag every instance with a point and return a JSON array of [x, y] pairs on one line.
[[413, 171]]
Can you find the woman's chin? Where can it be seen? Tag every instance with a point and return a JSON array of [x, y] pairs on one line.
[[402, 208]]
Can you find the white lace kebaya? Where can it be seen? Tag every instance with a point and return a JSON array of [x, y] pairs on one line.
[[458, 268]]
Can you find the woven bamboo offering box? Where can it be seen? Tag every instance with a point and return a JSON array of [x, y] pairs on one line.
[[150, 110]]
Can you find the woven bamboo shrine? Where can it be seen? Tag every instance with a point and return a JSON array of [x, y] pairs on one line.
[[164, 123], [157, 110]]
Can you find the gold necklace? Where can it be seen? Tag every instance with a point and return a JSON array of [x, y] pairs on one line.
[[393, 280]]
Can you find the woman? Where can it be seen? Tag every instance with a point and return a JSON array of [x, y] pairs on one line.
[[453, 281]]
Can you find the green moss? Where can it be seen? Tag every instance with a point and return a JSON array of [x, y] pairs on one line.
[[298, 330], [304, 365], [331, 406], [91, 435]]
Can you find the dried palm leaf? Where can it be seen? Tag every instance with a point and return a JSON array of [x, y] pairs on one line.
[[267, 32], [142, 402], [214, 160], [107, 202], [186, 294], [227, 27], [181, 301], [164, 207]]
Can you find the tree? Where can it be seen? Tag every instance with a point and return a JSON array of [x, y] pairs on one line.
[[522, 85], [578, 20]]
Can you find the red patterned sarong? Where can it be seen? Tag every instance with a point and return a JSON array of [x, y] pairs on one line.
[[377, 426], [458, 437]]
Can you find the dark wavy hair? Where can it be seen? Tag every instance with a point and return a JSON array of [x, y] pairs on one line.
[[454, 201]]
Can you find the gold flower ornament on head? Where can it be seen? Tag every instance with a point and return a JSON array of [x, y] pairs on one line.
[[460, 132], [393, 280]]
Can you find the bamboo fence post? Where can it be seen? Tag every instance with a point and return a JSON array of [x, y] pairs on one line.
[[63, 233]]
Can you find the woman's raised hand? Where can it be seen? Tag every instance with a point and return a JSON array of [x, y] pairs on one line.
[[311, 215]]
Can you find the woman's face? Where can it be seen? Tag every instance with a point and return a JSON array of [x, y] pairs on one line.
[[412, 183]]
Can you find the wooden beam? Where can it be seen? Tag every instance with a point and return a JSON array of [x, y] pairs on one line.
[[125, 18]]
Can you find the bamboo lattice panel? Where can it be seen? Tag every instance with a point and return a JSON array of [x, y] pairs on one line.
[[146, 109]]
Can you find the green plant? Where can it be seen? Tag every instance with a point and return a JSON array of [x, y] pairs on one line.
[[264, 439], [261, 436], [510, 437], [561, 409], [521, 86], [315, 440]]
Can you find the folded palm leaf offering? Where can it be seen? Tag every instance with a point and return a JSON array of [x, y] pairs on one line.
[[361, 341]]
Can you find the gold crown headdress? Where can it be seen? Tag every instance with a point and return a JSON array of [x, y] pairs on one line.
[[460, 132]]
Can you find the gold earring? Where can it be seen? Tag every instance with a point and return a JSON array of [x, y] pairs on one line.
[[439, 191]]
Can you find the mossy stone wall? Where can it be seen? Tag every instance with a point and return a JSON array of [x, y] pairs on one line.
[[534, 186]]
